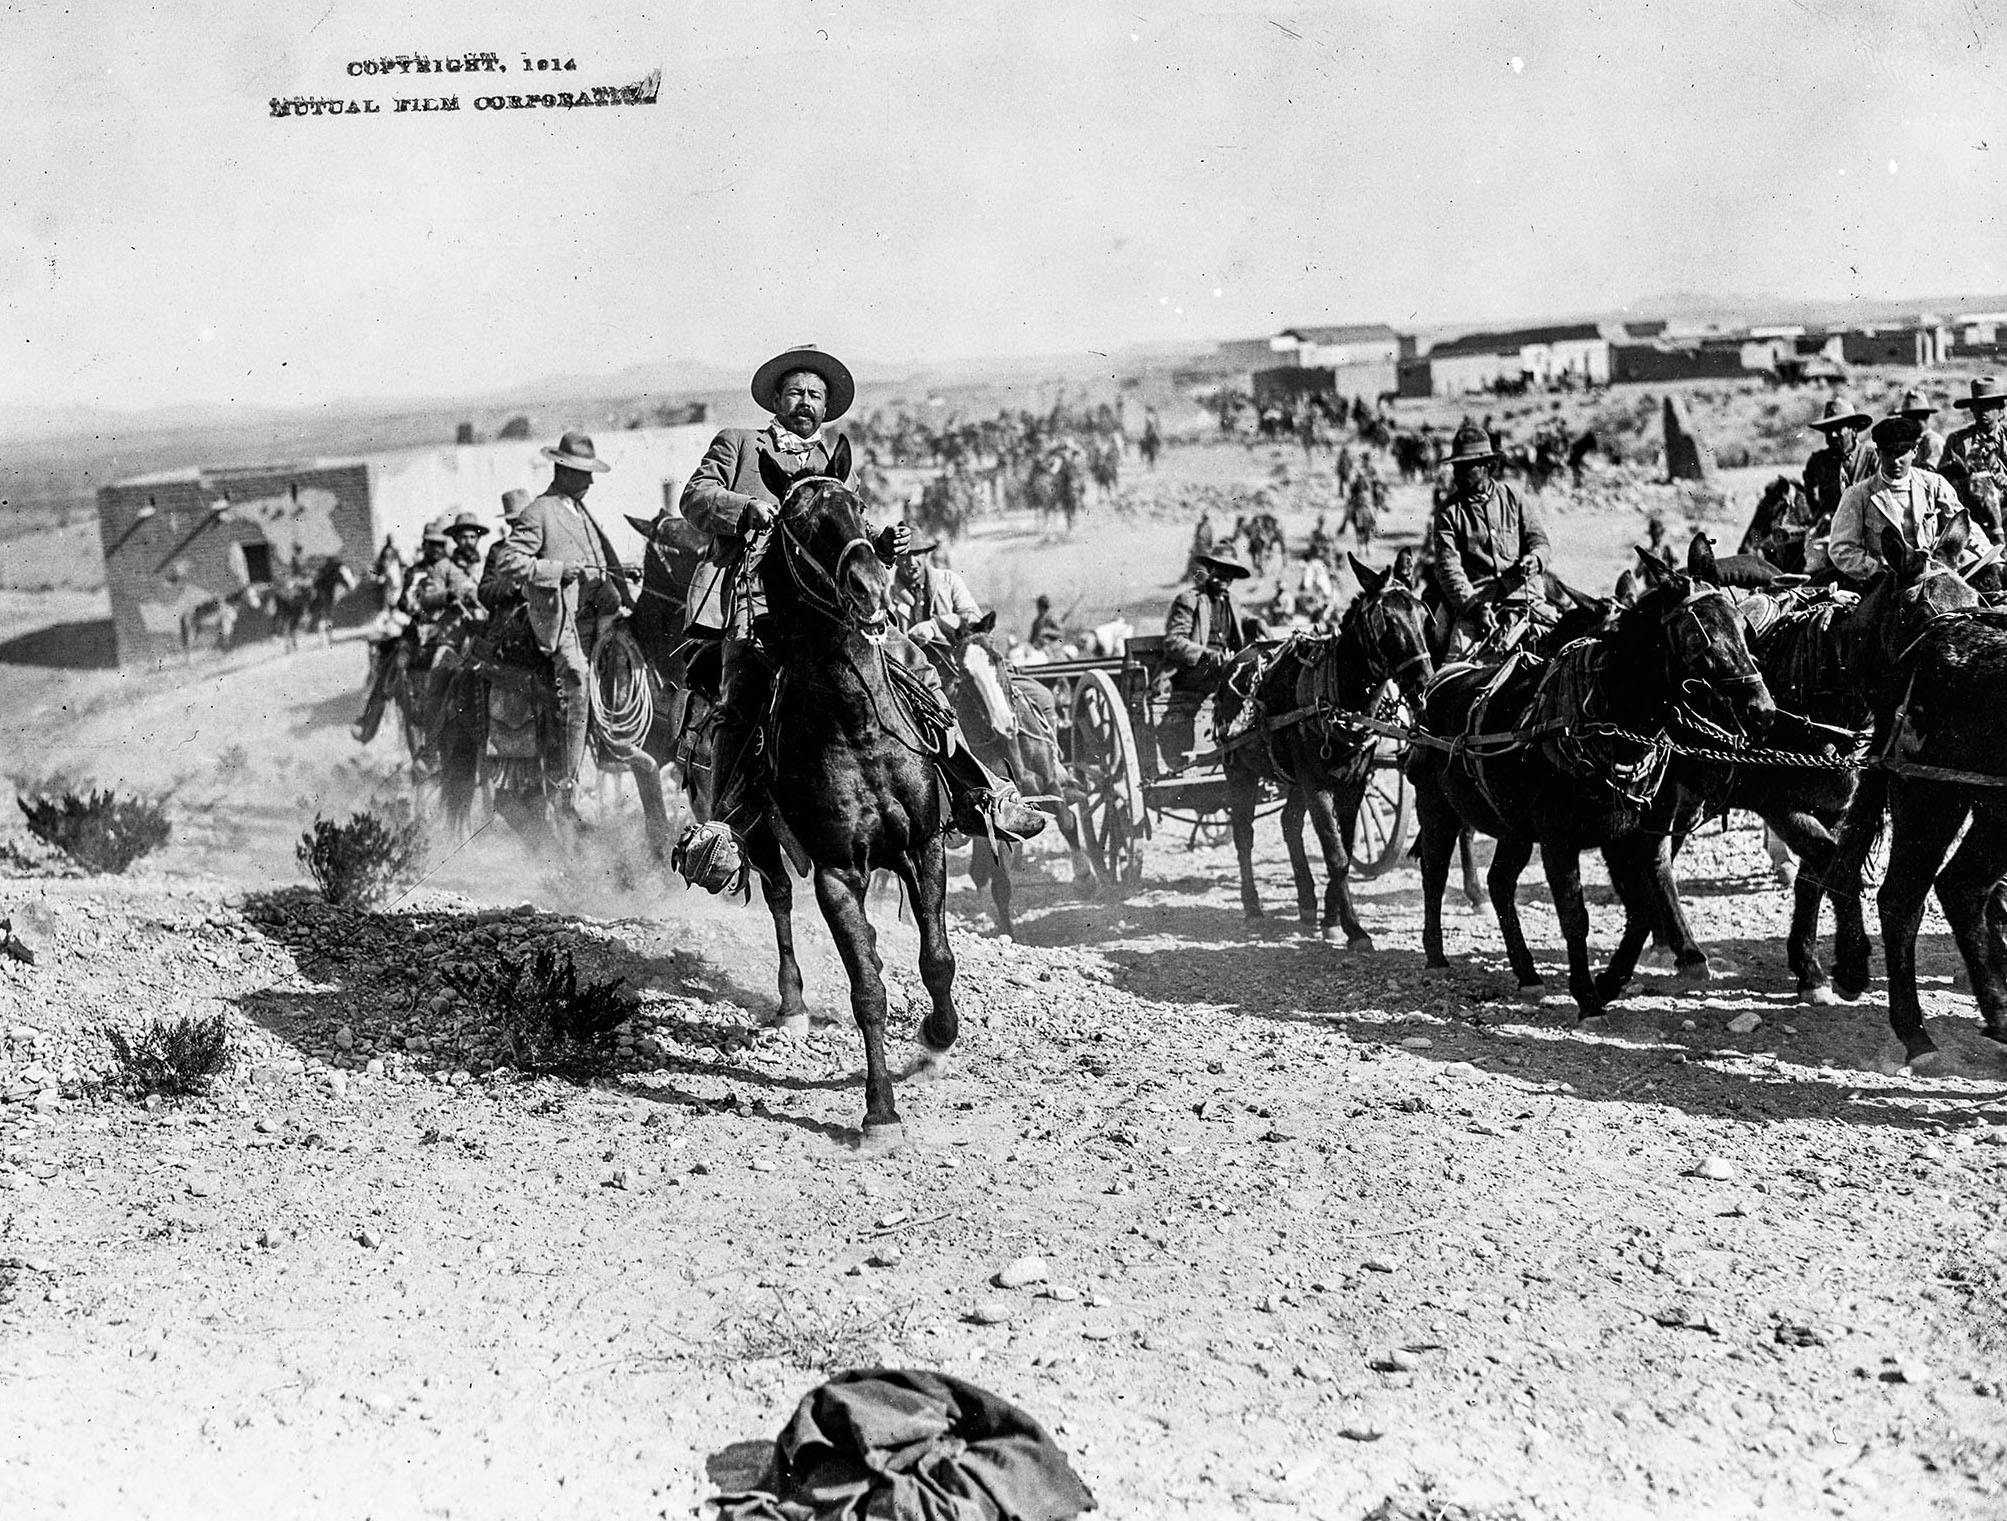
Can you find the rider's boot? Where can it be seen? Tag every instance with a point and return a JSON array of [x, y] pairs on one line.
[[982, 803], [713, 855]]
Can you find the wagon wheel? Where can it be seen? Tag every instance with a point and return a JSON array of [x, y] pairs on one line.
[[1387, 812], [1110, 778]]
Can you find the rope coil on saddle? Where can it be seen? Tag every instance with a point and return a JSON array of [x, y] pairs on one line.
[[620, 695]]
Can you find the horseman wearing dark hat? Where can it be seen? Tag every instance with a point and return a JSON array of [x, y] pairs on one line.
[[1828, 471], [572, 583], [1481, 531], [1929, 448], [1202, 635], [1916, 503], [1975, 457], [727, 499]]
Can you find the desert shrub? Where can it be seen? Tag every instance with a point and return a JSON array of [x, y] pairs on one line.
[[100, 832], [359, 862], [552, 1021], [173, 1057]]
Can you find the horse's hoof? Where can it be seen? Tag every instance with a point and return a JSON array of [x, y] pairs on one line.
[[1931, 1063], [1819, 995], [1252, 914], [1361, 943], [880, 1139], [793, 1026], [1688, 973]]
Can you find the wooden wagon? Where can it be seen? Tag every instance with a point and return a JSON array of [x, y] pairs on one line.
[[1124, 783]]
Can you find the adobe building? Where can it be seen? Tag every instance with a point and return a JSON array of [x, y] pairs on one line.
[[176, 540]]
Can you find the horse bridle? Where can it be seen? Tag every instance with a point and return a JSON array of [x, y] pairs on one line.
[[795, 554], [1377, 668]]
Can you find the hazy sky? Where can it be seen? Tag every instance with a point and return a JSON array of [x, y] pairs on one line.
[[898, 180]]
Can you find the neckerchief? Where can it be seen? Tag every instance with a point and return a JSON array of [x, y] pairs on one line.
[[785, 440]]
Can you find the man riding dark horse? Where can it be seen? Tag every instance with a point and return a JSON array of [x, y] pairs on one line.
[[728, 498], [1485, 539], [1829, 470]]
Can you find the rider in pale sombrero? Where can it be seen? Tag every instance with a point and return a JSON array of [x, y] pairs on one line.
[[1975, 457], [1828, 469], [572, 582], [726, 498], [1481, 531]]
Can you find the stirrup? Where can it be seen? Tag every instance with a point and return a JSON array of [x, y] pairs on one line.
[[1002, 812], [710, 856]]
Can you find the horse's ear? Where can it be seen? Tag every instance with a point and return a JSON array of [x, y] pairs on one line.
[[839, 459], [1626, 592], [1950, 546], [985, 623], [1654, 570], [1580, 599], [1700, 560], [1896, 553], [1370, 579], [640, 525], [776, 480]]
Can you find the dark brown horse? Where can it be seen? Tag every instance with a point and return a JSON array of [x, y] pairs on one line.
[[1300, 738], [1936, 669], [851, 782], [1536, 759]]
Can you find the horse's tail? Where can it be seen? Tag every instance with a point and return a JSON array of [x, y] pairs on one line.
[[1867, 816]]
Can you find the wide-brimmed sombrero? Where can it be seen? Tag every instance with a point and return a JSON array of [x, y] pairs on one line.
[[1986, 392], [1225, 569], [767, 378], [575, 449], [1471, 445], [467, 520], [1836, 415]]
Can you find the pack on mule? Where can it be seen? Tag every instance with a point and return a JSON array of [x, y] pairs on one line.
[[1284, 720], [1571, 753], [850, 780]]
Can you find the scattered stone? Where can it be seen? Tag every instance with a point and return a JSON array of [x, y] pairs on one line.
[[1064, 1293], [269, 1238], [1316, 1372], [1022, 1273], [1118, 1187], [1396, 1361], [885, 1257], [337, 1083], [884, 1223], [373, 1067], [1377, 1265], [762, 1164], [1097, 1333], [1417, 1043], [345, 1038], [266, 1126], [1361, 1431], [991, 1312], [1688, 1024], [1791, 1333], [1717, 1169], [1906, 1370], [367, 1237], [1745, 1024]]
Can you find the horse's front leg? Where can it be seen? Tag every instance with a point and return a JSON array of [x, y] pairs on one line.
[[841, 891], [777, 886], [1338, 910], [1564, 881], [1508, 861], [927, 880], [1242, 794]]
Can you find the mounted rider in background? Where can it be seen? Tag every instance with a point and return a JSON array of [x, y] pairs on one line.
[[1486, 541], [727, 499]]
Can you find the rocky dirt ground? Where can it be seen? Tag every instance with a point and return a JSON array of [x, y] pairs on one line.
[[1323, 1234]]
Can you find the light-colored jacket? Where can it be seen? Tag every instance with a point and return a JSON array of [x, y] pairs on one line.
[[553, 532], [1866, 509], [941, 609], [724, 484]]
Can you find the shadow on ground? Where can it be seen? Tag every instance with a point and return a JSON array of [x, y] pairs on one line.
[[379, 972], [88, 645]]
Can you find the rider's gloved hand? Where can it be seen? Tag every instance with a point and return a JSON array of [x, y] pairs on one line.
[[1486, 618], [894, 542], [569, 576], [1527, 565], [759, 514]]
